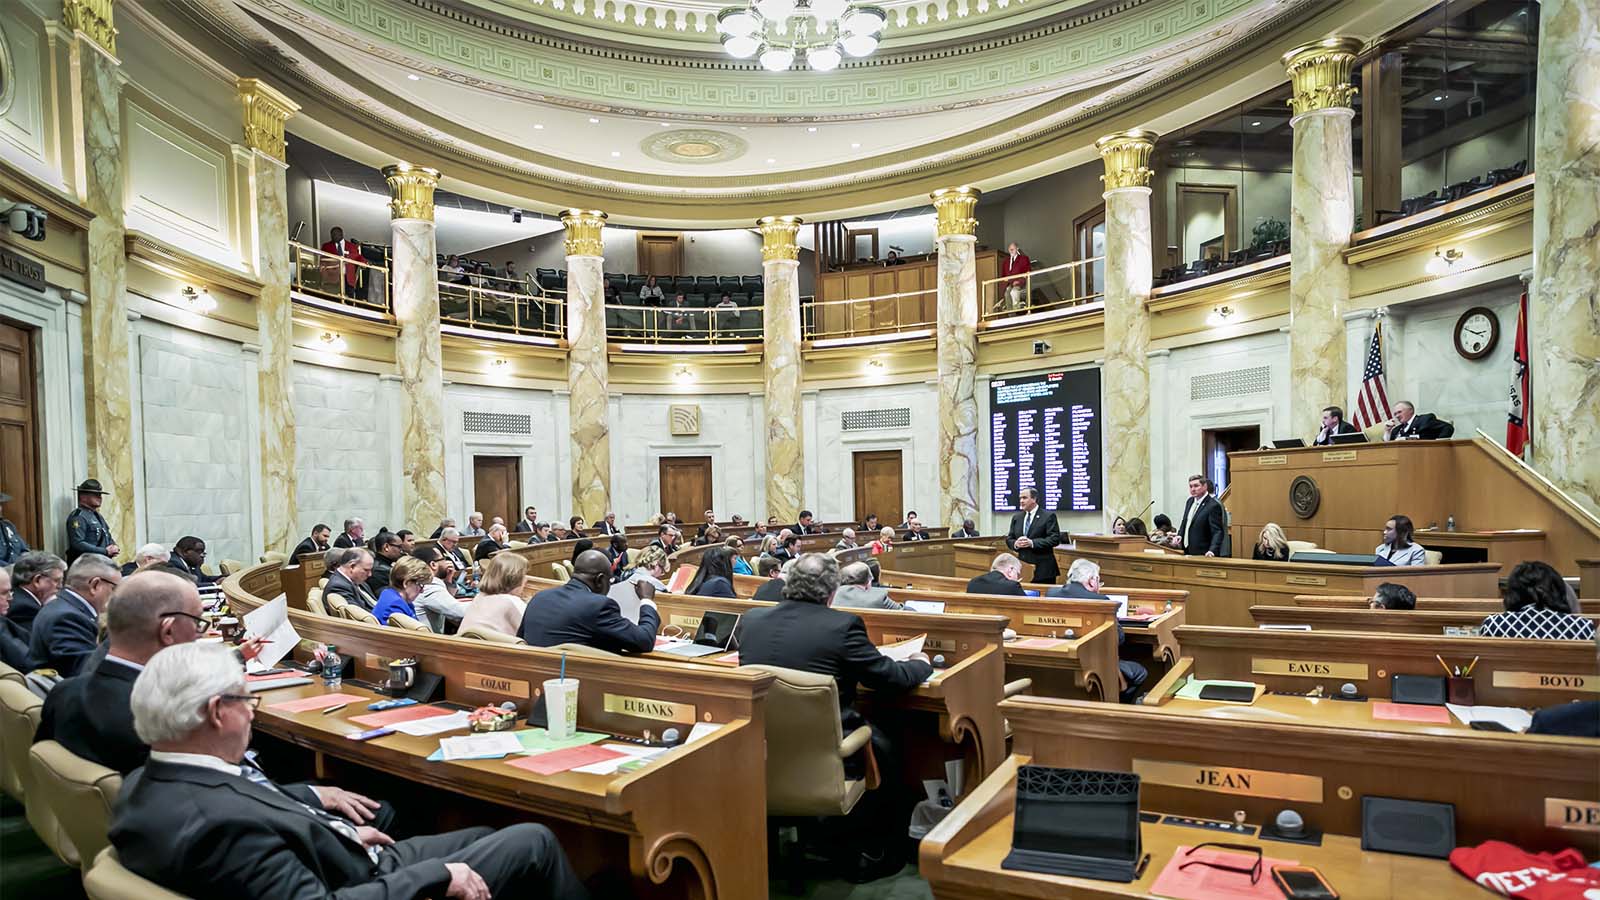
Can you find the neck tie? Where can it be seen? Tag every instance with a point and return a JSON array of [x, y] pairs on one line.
[[1027, 523], [1188, 522], [340, 825]]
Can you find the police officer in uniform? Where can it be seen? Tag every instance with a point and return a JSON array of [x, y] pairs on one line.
[[11, 543], [87, 531]]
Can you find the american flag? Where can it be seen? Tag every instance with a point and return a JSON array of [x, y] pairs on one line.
[[1372, 406]]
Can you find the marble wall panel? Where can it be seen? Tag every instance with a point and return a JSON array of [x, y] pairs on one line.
[[728, 434], [830, 459], [342, 448]]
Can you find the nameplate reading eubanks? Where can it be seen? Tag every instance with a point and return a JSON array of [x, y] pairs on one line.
[[494, 684], [1574, 815], [1339, 456], [1550, 681], [1064, 621], [1225, 780], [1308, 668], [1279, 460], [648, 708]]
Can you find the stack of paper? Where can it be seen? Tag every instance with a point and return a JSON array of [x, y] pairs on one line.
[[271, 622], [434, 724], [904, 650], [1509, 716], [479, 746]]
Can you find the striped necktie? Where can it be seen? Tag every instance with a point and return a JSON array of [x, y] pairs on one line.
[[340, 825]]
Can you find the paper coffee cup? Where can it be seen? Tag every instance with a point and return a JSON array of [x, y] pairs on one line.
[[561, 707]]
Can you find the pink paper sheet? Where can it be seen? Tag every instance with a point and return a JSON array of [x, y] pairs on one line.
[[1410, 712], [321, 701], [563, 760]]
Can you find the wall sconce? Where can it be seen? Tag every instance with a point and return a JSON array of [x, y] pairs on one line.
[[682, 374], [1220, 315], [875, 366], [199, 301], [499, 364], [1444, 261], [332, 343]]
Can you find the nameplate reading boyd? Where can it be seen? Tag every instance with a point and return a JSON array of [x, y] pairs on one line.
[[1064, 621], [494, 684], [1575, 815], [1226, 780], [649, 708], [1550, 681], [1309, 668]]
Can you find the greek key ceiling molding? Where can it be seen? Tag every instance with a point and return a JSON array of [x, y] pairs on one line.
[[566, 72]]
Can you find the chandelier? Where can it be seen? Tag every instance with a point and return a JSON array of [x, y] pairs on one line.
[[818, 32]]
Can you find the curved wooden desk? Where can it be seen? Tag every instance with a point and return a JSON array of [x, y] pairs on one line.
[[1396, 621]]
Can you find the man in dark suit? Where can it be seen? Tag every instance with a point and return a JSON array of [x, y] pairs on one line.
[[1201, 530], [526, 524], [388, 553], [12, 546], [35, 578], [68, 628], [608, 525], [13, 637], [87, 531], [807, 524], [1332, 423], [968, 529], [316, 543], [348, 579], [771, 590], [579, 612], [1004, 577], [353, 535], [1034, 536], [189, 557], [493, 542], [195, 820], [1083, 583], [1409, 425]]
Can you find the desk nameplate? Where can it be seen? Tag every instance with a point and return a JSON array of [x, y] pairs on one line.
[[1339, 456], [928, 643], [494, 684], [1317, 580], [650, 708], [1573, 815], [1279, 460], [1228, 780], [1210, 573], [690, 622], [1549, 681], [1308, 668], [1063, 621], [1141, 567]]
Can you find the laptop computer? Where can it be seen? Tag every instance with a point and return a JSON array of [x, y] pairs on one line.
[[1078, 822], [713, 636], [1288, 444]]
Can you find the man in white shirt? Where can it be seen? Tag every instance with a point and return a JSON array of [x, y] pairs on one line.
[[437, 601]]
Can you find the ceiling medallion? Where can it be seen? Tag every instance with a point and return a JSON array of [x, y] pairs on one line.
[[694, 145], [818, 32]]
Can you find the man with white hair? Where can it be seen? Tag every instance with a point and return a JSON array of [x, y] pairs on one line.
[[150, 555], [348, 577], [856, 590], [1083, 583], [847, 540], [68, 628], [492, 543], [195, 820], [354, 531], [474, 525], [1004, 577]]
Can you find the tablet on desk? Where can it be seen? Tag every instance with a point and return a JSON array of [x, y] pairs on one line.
[[1354, 437], [1288, 444]]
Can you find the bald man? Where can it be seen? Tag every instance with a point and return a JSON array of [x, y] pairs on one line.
[[579, 612]]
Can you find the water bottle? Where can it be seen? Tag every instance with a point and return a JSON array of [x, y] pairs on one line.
[[1450, 523], [332, 669], [1169, 606]]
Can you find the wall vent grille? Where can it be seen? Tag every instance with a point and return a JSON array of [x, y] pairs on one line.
[[497, 423], [868, 419], [1234, 383]]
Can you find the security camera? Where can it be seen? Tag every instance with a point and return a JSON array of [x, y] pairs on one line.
[[1040, 348], [25, 219], [516, 215]]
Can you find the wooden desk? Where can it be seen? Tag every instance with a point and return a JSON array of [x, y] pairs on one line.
[[1484, 605], [1505, 547], [671, 835], [1121, 543], [1395, 621]]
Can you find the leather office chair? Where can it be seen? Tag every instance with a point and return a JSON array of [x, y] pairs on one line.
[[490, 635], [82, 795], [334, 603], [806, 747], [586, 650], [274, 556], [314, 602], [19, 719], [9, 674], [1301, 547], [560, 573], [1433, 557], [403, 621], [10, 781], [107, 879]]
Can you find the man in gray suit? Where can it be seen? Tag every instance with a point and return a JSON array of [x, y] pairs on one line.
[[857, 592]]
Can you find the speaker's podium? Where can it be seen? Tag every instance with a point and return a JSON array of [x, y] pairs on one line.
[[1338, 498]]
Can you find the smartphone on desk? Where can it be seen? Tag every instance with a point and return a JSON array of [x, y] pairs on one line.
[[1302, 883]]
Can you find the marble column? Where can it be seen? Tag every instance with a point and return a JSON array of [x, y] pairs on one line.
[[588, 375], [1564, 303], [780, 275], [1321, 215], [955, 236], [265, 111], [414, 288], [1126, 372], [106, 345]]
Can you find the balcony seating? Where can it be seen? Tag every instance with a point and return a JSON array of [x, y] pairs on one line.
[[1461, 189]]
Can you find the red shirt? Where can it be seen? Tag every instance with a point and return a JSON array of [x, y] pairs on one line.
[[1019, 266]]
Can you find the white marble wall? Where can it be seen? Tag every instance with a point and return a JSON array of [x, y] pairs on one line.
[[730, 425], [1420, 343], [542, 452], [345, 448], [830, 467]]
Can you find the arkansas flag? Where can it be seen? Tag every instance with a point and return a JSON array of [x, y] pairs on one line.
[[1518, 414]]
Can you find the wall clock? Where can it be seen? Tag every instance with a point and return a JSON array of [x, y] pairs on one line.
[[1477, 331]]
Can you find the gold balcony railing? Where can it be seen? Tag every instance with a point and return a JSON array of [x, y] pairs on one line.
[[885, 315], [501, 304], [1043, 290], [364, 285], [683, 325]]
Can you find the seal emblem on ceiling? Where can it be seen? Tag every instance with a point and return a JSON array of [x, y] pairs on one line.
[[694, 146]]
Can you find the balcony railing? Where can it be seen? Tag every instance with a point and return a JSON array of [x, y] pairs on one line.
[[683, 325], [349, 282], [1041, 291], [887, 316], [489, 303]]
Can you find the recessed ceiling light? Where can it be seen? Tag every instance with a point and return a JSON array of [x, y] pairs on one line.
[[593, 121], [1255, 124], [744, 127], [414, 77], [856, 145], [770, 160], [812, 129], [538, 127], [1438, 97], [616, 153]]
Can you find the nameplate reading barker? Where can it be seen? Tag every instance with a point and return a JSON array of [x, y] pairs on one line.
[[1574, 815], [1227, 780], [1309, 668], [1550, 681], [1063, 621], [494, 684], [649, 708]]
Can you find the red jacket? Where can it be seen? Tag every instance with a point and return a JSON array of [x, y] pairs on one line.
[[1021, 266], [352, 250]]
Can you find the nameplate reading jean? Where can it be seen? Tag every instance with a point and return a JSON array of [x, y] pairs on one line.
[[1228, 780]]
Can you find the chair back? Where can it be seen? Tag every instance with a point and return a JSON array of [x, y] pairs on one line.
[[19, 719], [81, 793], [10, 781], [230, 566], [314, 601], [333, 603], [586, 650], [560, 573], [356, 614], [1433, 557], [108, 879], [401, 620], [805, 772], [490, 635], [274, 556], [9, 674]]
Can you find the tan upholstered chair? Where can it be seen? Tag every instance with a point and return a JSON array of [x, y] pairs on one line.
[[560, 572], [10, 780], [19, 719], [314, 601], [401, 620], [806, 747], [9, 674], [490, 635], [274, 556], [586, 650], [1302, 547], [356, 614], [230, 566], [334, 604], [79, 792], [1374, 433], [1433, 557], [516, 544], [107, 879]]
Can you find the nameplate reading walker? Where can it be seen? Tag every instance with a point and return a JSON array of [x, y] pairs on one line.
[[1549, 681], [494, 684], [1062, 621], [649, 708], [1309, 668], [691, 623], [1573, 815], [1279, 460], [928, 643], [1227, 780], [1339, 456]]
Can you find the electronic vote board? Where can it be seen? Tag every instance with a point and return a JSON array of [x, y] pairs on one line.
[[1044, 432]]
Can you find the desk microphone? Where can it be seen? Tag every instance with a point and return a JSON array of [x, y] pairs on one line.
[[670, 735], [938, 660], [1146, 508]]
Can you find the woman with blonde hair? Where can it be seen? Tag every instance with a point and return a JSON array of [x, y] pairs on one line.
[[502, 596], [641, 583], [1272, 545], [885, 540]]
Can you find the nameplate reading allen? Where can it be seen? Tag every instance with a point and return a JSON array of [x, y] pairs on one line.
[[689, 622], [649, 708], [1339, 456], [1550, 681], [494, 684], [1063, 621], [1226, 780], [1573, 815], [1272, 460], [1309, 668]]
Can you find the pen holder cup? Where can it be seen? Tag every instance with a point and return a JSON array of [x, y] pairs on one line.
[[1460, 691]]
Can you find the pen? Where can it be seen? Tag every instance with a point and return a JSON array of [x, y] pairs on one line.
[[1442, 663], [333, 709], [1471, 666]]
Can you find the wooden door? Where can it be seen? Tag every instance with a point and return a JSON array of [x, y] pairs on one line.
[[1217, 443], [878, 488], [686, 486], [19, 433], [660, 254], [497, 488]]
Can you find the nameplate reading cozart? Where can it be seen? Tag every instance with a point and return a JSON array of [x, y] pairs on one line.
[[1309, 668], [1574, 815], [1550, 681], [649, 708], [1228, 780], [494, 684]]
